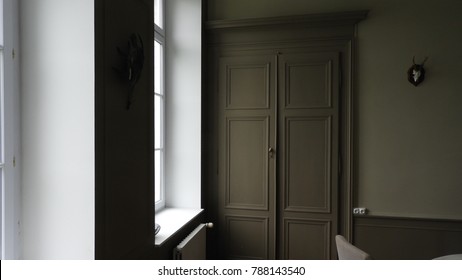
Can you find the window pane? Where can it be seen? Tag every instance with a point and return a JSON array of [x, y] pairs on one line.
[[157, 178], [1, 22], [1, 108], [1, 104], [157, 122], [158, 13], [157, 67]]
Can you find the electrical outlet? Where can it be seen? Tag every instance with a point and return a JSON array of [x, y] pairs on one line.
[[360, 211]]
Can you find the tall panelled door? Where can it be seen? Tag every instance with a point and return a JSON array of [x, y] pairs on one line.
[[283, 94], [308, 152], [247, 133]]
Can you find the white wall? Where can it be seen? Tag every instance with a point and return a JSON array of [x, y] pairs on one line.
[[409, 138], [183, 103], [57, 54]]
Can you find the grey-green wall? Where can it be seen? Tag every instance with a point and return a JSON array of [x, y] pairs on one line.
[[408, 139]]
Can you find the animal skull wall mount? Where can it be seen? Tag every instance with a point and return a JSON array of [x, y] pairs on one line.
[[416, 74]]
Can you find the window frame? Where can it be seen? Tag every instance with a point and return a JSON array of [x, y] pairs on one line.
[[10, 133], [2, 151], [159, 37]]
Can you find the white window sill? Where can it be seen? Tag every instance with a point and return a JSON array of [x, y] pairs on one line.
[[171, 220]]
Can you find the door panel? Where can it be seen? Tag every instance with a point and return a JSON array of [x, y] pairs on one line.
[[247, 86], [304, 229], [307, 170], [247, 163], [247, 237], [308, 84]]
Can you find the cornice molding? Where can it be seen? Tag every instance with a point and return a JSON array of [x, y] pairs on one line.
[[324, 19]]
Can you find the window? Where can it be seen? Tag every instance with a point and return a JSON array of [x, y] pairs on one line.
[[178, 26], [9, 132], [2, 161], [159, 106], [177, 108]]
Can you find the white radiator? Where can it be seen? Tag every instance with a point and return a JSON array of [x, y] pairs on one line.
[[193, 247]]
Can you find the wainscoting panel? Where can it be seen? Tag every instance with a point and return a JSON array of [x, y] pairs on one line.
[[396, 238]]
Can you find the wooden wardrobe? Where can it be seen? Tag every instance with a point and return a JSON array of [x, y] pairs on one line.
[[278, 135]]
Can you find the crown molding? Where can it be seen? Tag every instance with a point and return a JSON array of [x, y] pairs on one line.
[[342, 18]]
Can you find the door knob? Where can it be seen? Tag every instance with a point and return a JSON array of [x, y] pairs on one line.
[[271, 152]]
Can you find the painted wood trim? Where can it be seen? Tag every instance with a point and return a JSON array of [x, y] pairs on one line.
[[325, 19], [370, 218]]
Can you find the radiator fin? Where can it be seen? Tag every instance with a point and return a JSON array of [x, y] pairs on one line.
[[193, 247]]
